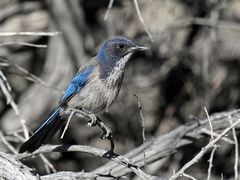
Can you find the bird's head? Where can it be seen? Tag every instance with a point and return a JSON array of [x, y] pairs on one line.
[[115, 52]]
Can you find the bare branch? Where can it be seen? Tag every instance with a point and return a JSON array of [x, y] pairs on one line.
[[188, 176], [141, 19], [228, 140], [236, 151], [29, 33], [121, 160], [167, 144], [210, 162], [29, 76], [204, 150], [24, 44], [209, 120], [142, 119], [7, 144], [10, 101], [108, 9], [68, 121], [49, 166]]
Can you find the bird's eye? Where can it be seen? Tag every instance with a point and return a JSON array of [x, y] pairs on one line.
[[120, 46]]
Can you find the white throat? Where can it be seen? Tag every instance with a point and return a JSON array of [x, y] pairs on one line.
[[118, 69]]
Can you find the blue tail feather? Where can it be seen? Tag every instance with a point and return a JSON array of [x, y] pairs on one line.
[[45, 132]]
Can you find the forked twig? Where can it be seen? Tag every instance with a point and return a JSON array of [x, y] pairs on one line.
[[203, 151]]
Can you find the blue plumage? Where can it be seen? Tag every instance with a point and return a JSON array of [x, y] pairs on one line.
[[94, 88], [76, 84]]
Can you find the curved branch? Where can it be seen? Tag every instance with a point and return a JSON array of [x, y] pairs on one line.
[[121, 160]]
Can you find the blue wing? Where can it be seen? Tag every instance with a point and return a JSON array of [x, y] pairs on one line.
[[76, 84]]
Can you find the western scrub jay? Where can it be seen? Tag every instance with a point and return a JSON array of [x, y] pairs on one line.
[[94, 88]]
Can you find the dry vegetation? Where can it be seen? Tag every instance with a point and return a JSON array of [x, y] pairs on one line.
[[177, 113]]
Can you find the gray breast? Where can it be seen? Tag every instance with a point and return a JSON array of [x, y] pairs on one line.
[[98, 94]]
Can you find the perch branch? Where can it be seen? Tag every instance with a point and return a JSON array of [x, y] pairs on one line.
[[121, 160]]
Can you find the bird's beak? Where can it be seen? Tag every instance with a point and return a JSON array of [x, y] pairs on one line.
[[138, 48]]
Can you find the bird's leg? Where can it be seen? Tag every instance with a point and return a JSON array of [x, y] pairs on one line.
[[107, 133], [84, 113], [94, 120]]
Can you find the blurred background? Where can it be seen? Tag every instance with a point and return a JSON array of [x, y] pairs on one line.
[[193, 63]]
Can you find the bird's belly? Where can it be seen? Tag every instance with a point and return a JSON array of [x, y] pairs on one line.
[[94, 98]]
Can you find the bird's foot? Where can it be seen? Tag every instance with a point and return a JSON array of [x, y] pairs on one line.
[[107, 133], [93, 120]]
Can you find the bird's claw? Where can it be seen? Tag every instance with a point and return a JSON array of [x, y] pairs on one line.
[[93, 121], [107, 135]]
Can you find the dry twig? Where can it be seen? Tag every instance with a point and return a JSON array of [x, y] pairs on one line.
[[6, 91], [141, 19], [188, 176], [29, 76], [29, 33], [108, 9], [7, 144], [68, 121], [24, 44], [204, 150], [236, 151], [210, 162], [209, 120], [167, 144]]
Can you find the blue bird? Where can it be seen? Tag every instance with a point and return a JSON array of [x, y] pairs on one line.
[[94, 88]]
